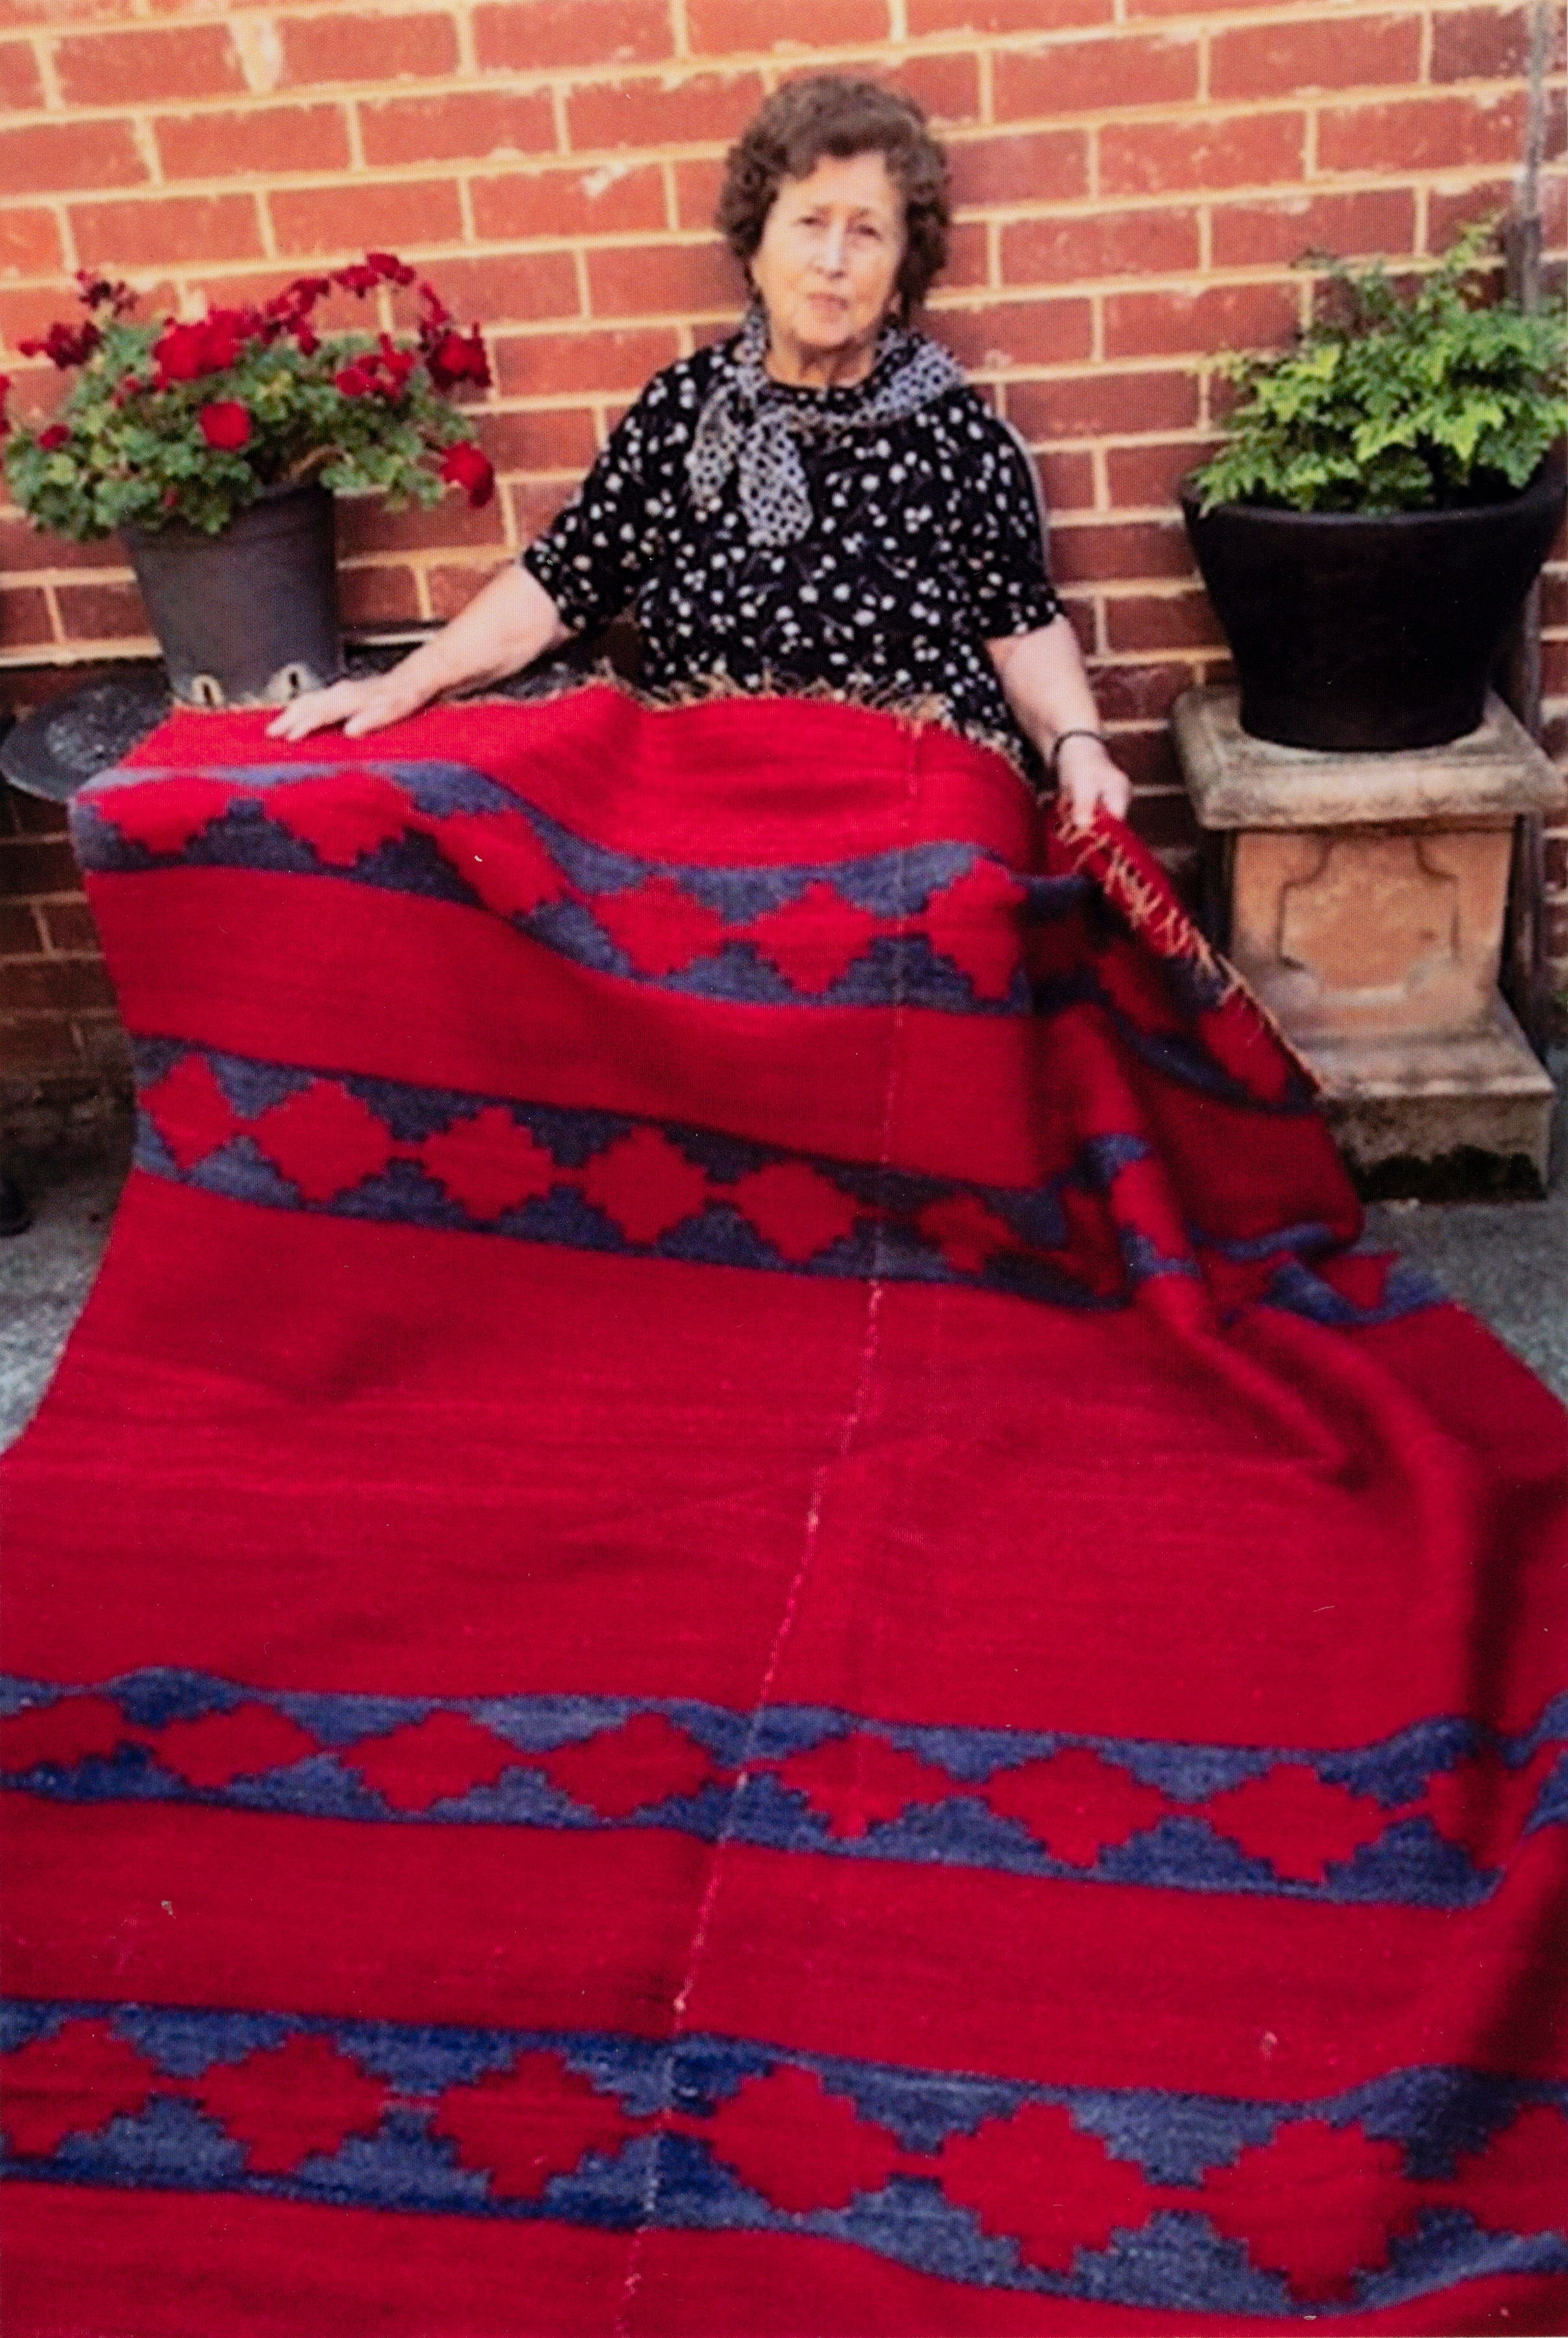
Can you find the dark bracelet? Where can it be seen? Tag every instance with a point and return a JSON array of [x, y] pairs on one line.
[[1060, 740]]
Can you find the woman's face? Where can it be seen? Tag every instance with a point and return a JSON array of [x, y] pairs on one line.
[[826, 267]]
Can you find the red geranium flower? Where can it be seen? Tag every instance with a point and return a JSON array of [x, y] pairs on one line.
[[453, 356], [466, 466], [226, 424], [5, 394], [63, 347], [57, 434], [187, 352], [388, 265], [353, 382]]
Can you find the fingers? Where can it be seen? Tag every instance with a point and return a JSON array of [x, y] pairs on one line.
[[1103, 789], [313, 710]]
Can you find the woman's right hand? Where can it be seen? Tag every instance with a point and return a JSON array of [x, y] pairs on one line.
[[369, 704]]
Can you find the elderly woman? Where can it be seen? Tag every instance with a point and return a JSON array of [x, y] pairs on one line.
[[818, 500]]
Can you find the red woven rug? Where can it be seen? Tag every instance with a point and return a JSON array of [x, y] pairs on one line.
[[730, 1618]]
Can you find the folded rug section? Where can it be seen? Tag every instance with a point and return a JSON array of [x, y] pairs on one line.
[[733, 1616]]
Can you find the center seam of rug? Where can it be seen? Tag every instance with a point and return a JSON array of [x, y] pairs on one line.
[[854, 1415]]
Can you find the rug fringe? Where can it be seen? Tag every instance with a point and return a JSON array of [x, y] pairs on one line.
[[1161, 921]]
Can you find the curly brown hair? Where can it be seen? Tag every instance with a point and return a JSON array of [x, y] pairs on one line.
[[830, 113]]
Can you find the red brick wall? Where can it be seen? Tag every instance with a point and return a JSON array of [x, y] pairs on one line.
[[1134, 177]]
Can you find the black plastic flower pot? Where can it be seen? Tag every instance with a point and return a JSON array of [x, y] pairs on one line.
[[248, 616], [1350, 630]]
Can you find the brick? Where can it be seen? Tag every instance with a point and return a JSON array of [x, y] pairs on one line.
[[60, 986], [263, 140], [372, 44], [452, 588], [101, 613], [1004, 334], [1162, 621], [466, 126], [30, 243], [1339, 52], [611, 199], [32, 1045], [1235, 150], [1079, 251], [1374, 220], [1093, 76], [169, 230], [701, 108], [548, 365], [308, 220], [534, 504], [69, 157], [1067, 480], [1554, 669], [553, 438], [725, 28], [967, 259], [69, 925], [1102, 549], [1448, 211], [378, 595], [504, 287], [1104, 405], [38, 815], [365, 526], [683, 279], [945, 86], [1163, 817], [1026, 166], [1554, 599], [1420, 133], [1005, 15], [24, 618], [26, 313], [1140, 693], [698, 186], [1490, 44], [1139, 477], [1151, 763], [548, 33], [20, 85], [1222, 317], [149, 65], [38, 865], [19, 931]]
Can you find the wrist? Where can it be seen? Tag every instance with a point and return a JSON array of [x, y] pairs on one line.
[[1076, 741]]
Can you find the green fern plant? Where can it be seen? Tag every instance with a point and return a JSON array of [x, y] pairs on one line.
[[1393, 400]]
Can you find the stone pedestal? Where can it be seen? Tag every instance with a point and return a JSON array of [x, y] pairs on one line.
[[1362, 898]]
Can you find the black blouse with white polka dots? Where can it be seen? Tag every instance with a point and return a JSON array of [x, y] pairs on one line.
[[924, 545]]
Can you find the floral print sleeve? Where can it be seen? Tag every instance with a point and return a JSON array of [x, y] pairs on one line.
[[594, 554], [999, 528]]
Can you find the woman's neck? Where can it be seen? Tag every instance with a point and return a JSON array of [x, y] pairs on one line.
[[804, 368]]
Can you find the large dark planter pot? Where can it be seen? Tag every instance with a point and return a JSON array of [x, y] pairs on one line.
[[248, 616], [1355, 631]]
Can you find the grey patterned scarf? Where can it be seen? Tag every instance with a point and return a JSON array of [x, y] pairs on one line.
[[750, 422]]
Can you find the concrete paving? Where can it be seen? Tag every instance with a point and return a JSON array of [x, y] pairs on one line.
[[1507, 1262]]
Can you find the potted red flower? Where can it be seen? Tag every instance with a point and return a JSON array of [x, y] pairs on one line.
[[214, 446]]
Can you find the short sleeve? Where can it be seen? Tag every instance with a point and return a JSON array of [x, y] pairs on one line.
[[1001, 538], [594, 554]]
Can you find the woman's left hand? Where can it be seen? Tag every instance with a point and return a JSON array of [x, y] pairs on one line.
[[1088, 781]]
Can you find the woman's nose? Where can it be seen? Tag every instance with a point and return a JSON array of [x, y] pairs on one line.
[[830, 251]]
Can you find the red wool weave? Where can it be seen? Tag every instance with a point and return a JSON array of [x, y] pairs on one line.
[[735, 1615]]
